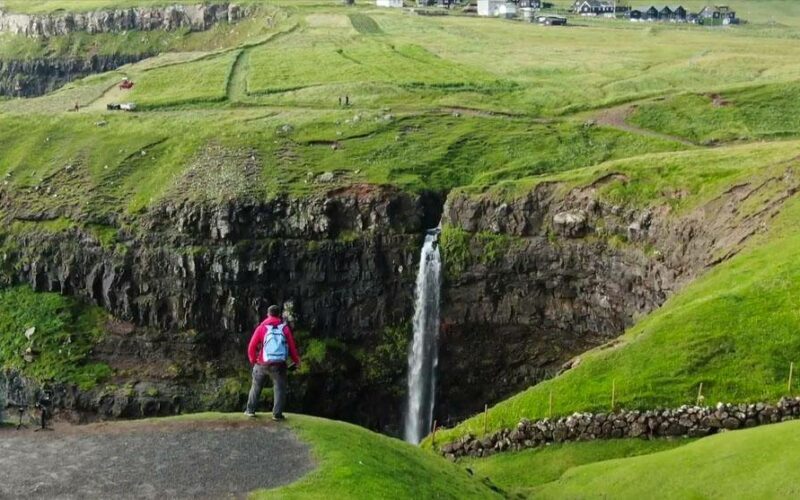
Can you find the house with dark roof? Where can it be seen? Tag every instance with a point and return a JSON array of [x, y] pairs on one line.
[[649, 13], [675, 13], [594, 8]]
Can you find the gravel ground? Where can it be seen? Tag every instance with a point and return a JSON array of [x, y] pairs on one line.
[[151, 460]]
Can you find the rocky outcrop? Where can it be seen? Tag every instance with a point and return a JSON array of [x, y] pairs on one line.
[[197, 17], [540, 280], [552, 274], [35, 77], [686, 421], [217, 267], [345, 259]]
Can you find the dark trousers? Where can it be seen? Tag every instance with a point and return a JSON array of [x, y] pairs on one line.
[[279, 386]]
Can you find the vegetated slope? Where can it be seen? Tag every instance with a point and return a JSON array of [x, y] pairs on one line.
[[56, 332], [758, 112], [522, 473], [357, 463], [199, 81], [125, 165], [733, 329], [178, 185], [753, 463]]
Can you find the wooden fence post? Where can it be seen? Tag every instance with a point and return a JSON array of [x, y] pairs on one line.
[[699, 394], [613, 392], [791, 372], [550, 409], [485, 417], [433, 434]]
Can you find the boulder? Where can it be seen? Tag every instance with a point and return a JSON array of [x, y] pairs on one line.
[[570, 224]]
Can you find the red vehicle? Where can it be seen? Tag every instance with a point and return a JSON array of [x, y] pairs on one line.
[[126, 84]]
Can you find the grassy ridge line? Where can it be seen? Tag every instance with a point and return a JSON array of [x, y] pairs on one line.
[[412, 151], [753, 464], [740, 314]]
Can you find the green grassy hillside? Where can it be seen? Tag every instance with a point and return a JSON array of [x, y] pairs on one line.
[[738, 316], [356, 463], [759, 112], [521, 474], [485, 106], [754, 463]]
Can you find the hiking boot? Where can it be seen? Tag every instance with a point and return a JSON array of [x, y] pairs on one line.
[[249, 414], [278, 418]]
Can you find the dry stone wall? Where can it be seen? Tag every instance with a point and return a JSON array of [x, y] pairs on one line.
[[686, 421]]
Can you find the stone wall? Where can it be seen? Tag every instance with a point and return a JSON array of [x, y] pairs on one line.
[[197, 17], [686, 421]]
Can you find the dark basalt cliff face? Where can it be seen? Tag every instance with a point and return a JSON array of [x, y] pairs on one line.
[[571, 273], [191, 281], [35, 77], [536, 282], [38, 76], [193, 17]]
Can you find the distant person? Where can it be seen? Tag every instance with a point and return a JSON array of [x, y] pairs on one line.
[[347, 100], [270, 347], [340, 100]]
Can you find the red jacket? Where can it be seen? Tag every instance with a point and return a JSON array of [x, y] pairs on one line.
[[257, 341]]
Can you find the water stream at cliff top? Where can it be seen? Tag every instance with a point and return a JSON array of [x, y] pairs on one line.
[[423, 356]]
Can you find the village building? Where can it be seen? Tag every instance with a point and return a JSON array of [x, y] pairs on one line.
[[594, 8], [718, 14], [389, 3], [676, 13], [527, 9], [497, 8]]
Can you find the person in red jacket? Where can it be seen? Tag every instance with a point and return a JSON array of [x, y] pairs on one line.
[[270, 347]]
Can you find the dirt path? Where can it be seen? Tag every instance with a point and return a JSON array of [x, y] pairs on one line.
[[113, 94], [617, 118], [237, 81], [151, 460]]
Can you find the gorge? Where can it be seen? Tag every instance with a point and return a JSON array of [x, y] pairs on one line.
[[188, 281]]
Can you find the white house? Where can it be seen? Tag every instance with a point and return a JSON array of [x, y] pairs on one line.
[[495, 8], [389, 3]]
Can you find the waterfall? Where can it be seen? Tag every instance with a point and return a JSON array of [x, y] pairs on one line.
[[423, 355]]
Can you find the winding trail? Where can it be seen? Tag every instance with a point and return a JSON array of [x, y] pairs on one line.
[[617, 117], [151, 459]]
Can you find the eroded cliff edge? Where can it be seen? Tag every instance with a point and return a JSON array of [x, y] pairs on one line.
[[52, 65], [532, 282]]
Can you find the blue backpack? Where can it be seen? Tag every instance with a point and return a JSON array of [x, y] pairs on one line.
[[275, 348]]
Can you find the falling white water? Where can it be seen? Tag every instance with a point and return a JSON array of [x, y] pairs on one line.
[[423, 356]]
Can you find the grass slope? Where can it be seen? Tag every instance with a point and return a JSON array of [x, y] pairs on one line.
[[741, 315], [65, 333], [521, 473], [753, 463], [764, 111], [198, 81], [356, 463]]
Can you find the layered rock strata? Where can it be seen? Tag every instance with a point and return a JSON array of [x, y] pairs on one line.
[[197, 17]]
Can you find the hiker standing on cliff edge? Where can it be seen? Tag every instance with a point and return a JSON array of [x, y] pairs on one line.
[[270, 347]]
